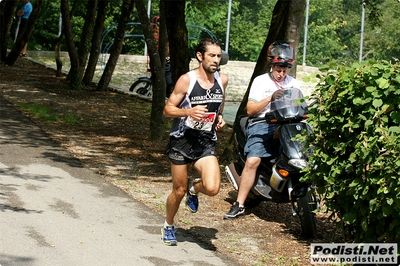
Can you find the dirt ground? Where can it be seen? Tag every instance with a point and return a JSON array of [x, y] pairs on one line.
[[108, 132]]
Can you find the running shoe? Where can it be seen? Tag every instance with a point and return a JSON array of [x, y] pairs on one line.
[[192, 199], [235, 211], [168, 236]]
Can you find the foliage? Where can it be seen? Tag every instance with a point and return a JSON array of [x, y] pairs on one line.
[[356, 148], [325, 33], [48, 26], [335, 35], [382, 41], [251, 22], [333, 31], [248, 26]]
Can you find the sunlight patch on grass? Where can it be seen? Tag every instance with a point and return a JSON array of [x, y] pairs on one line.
[[71, 119], [40, 111], [45, 113]]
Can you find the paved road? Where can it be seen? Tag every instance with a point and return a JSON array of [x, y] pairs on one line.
[[53, 211]]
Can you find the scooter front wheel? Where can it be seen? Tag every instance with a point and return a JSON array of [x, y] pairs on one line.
[[305, 210], [142, 87]]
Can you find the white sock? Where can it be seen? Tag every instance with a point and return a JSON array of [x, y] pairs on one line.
[[240, 205], [192, 190], [167, 225]]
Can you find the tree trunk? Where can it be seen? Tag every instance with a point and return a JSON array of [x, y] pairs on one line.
[[126, 11], [294, 28], [75, 82], [163, 45], [27, 32], [96, 39], [7, 12], [57, 55], [287, 18], [157, 124], [276, 32], [178, 37], [286, 23], [157, 74], [58, 45], [86, 36]]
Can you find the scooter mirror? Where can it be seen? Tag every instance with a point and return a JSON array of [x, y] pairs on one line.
[[224, 58]]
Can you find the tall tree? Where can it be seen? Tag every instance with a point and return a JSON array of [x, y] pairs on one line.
[[126, 11], [86, 36], [157, 66], [24, 37], [8, 9], [57, 46], [75, 82], [178, 37], [286, 19], [78, 56], [286, 23], [96, 39]]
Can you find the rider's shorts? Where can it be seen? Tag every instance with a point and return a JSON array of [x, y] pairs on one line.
[[186, 150], [259, 140]]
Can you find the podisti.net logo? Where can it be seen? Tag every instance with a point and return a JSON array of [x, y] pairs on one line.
[[343, 253]]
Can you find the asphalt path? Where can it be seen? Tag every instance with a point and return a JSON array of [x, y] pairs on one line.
[[54, 211]]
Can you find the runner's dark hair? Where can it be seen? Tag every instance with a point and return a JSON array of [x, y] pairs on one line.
[[201, 46]]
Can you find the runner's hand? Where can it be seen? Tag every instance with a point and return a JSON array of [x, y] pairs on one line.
[[220, 124], [197, 112]]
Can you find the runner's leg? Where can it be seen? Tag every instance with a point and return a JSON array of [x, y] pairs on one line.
[[208, 168], [179, 184]]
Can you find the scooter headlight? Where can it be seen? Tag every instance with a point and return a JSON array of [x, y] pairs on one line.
[[299, 163]]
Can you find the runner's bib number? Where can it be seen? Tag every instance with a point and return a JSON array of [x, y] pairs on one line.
[[204, 124]]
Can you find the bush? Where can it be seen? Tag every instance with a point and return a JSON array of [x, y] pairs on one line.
[[356, 149]]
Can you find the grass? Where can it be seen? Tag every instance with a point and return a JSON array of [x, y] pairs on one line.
[[39, 111], [45, 113], [71, 119]]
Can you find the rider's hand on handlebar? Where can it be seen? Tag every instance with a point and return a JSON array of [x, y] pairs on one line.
[[277, 95]]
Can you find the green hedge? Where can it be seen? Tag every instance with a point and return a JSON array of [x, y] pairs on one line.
[[356, 157]]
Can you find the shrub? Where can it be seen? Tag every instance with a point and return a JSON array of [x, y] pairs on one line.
[[356, 149]]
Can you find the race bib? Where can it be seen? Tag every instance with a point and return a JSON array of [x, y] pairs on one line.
[[204, 124]]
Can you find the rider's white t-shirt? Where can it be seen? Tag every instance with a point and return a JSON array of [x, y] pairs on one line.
[[263, 86]]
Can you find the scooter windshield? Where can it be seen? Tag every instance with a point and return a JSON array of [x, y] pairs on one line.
[[289, 106]]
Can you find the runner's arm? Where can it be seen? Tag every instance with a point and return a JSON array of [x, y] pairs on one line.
[[171, 108]]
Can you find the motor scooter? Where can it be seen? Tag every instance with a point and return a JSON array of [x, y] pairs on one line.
[[143, 85], [278, 177]]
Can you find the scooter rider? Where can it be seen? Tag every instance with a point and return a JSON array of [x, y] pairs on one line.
[[264, 89]]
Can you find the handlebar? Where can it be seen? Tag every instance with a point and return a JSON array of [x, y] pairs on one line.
[[272, 120]]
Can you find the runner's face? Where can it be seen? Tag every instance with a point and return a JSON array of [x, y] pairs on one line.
[[279, 72], [212, 58]]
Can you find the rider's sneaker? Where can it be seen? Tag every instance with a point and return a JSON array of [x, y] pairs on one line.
[[192, 200], [235, 211], [168, 236]]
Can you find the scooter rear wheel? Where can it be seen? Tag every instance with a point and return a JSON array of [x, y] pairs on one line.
[[142, 87], [305, 210]]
